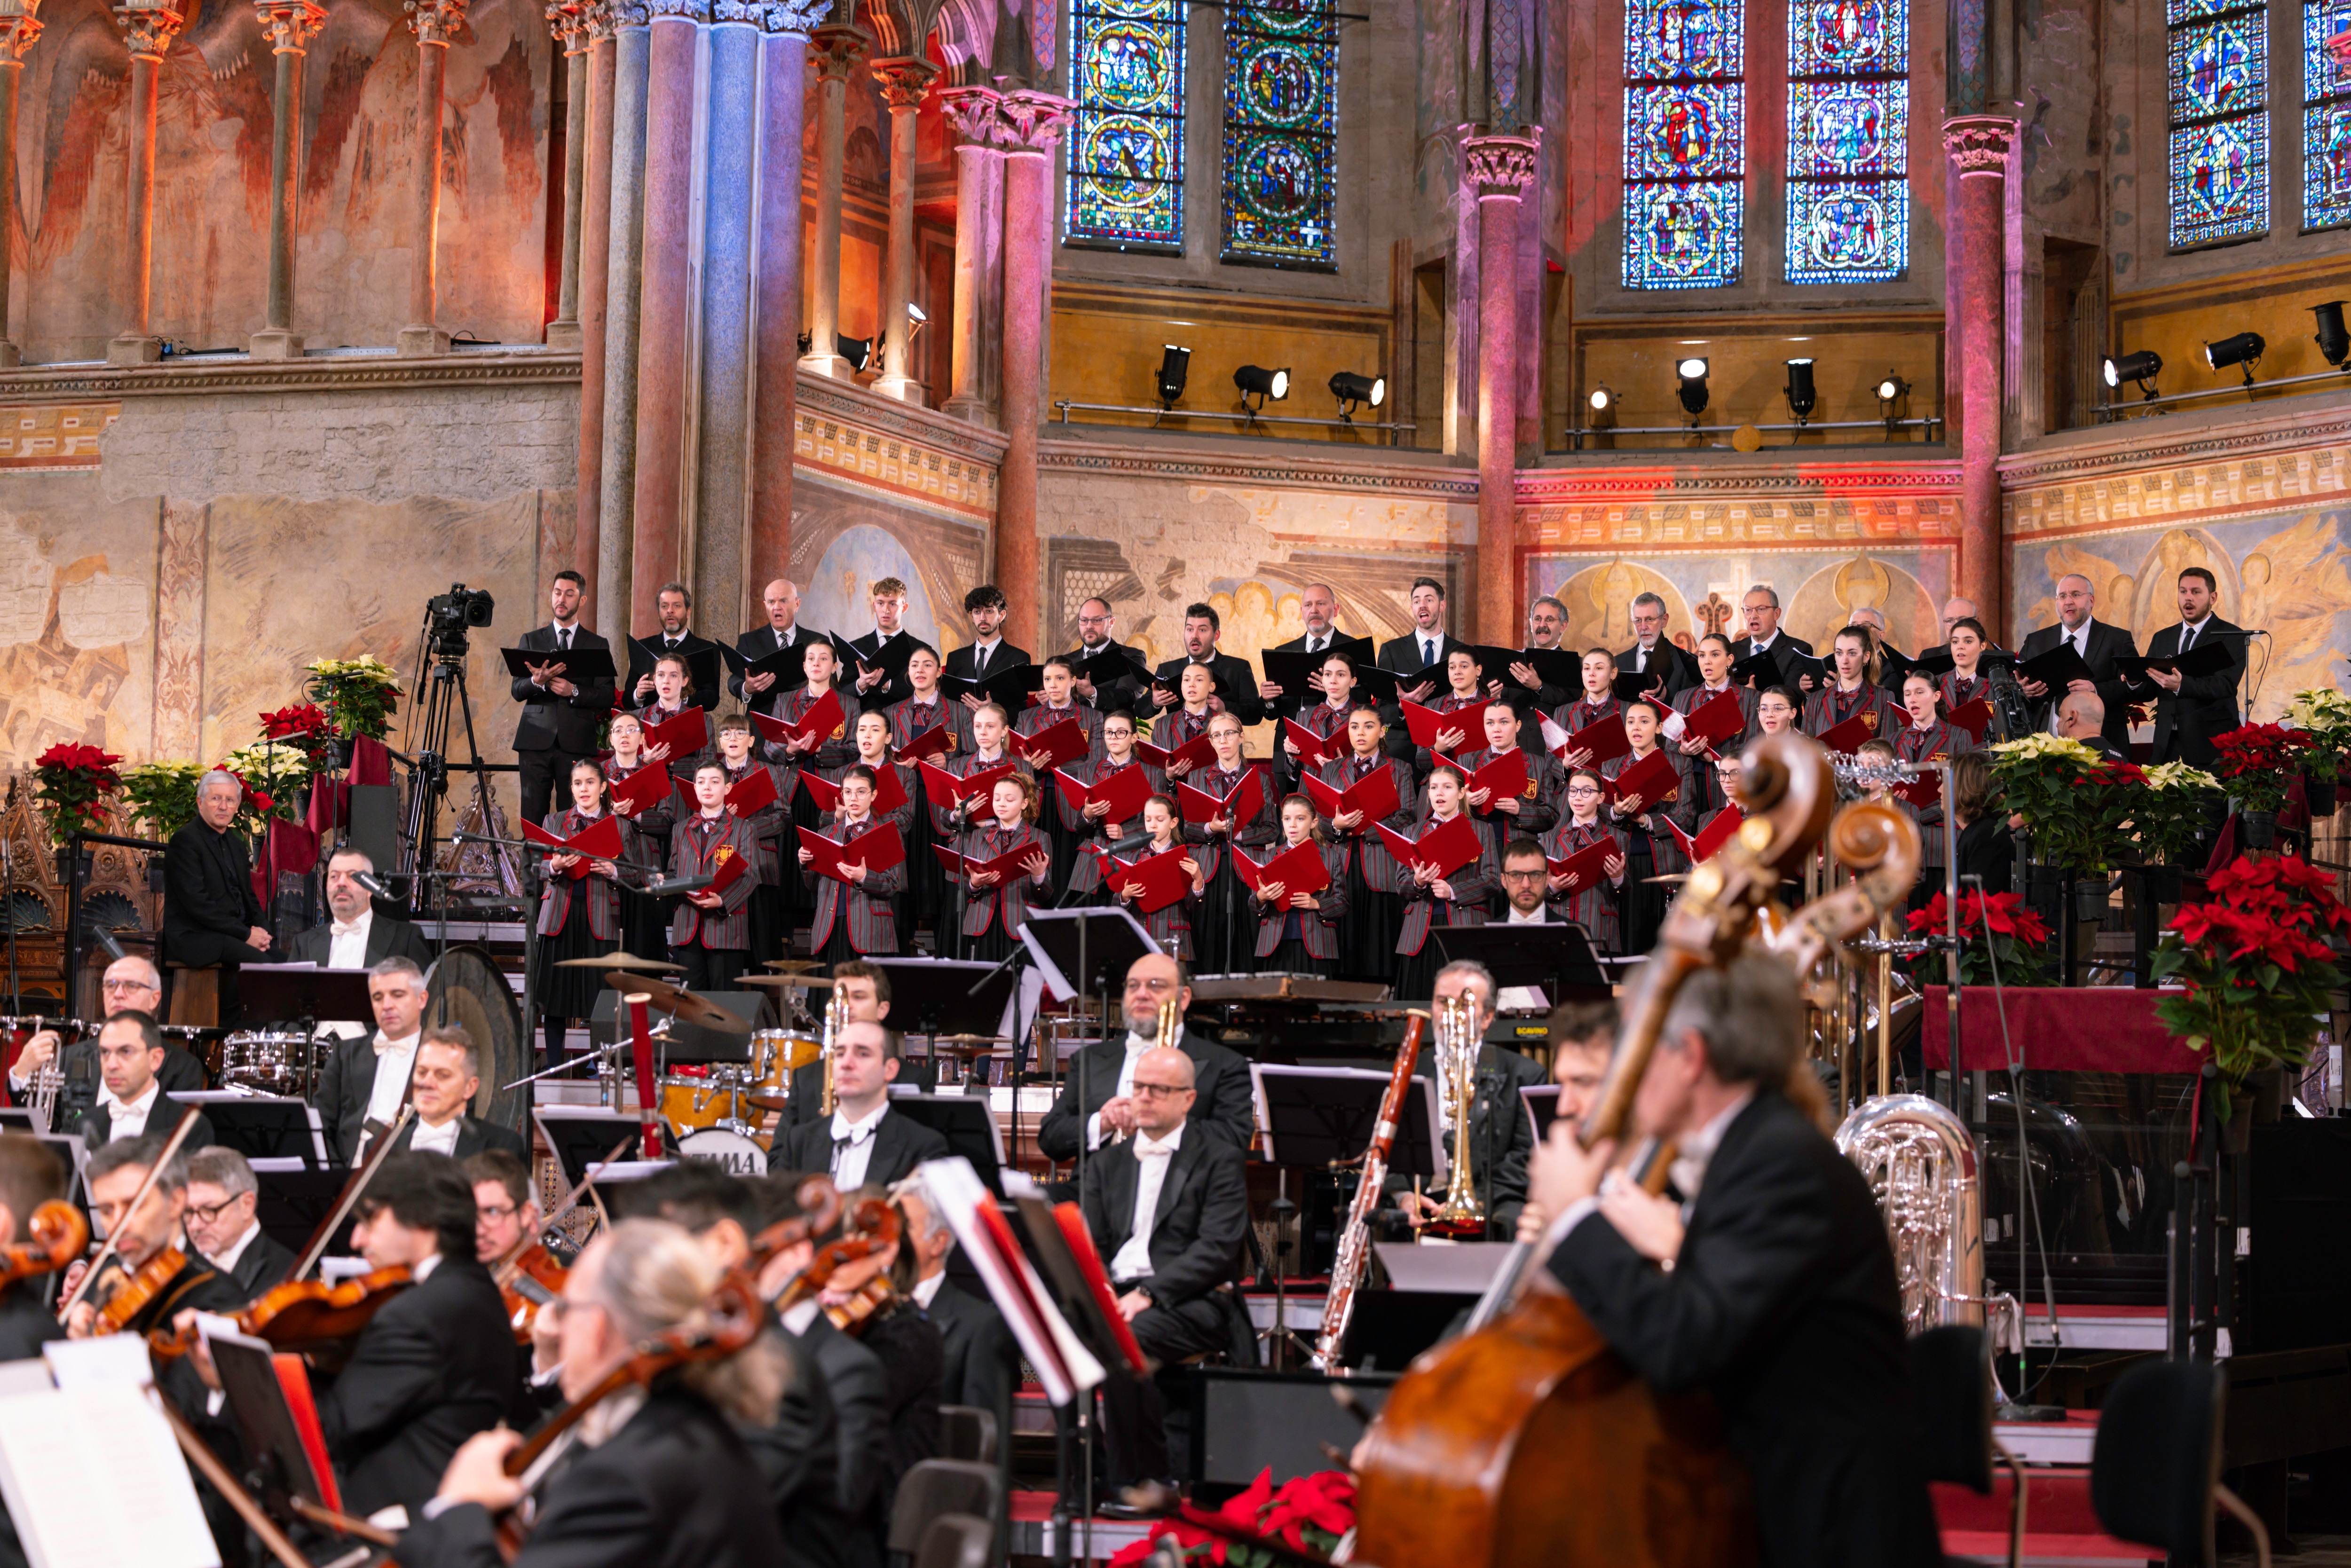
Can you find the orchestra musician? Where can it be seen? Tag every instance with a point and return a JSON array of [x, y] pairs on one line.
[[1500, 1136], [1675, 670], [865, 1141], [656, 1479], [355, 937], [912, 1355], [862, 990], [446, 1077], [987, 652], [1097, 1102], [2098, 646], [1171, 925], [131, 1104], [854, 917], [1233, 685], [1761, 609], [365, 1080], [672, 606], [1583, 1040], [212, 917], [1318, 606], [1782, 1300], [710, 935], [1650, 847], [578, 916], [761, 692], [998, 904], [1128, 691], [144, 1236], [221, 1222], [982, 1364], [30, 1176], [1167, 1210], [1431, 898], [1297, 932], [1853, 694], [131, 984], [1367, 932], [558, 725], [505, 1205], [1595, 908]]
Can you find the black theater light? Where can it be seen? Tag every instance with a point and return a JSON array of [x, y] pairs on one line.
[[858, 352], [2333, 339], [1175, 366], [2242, 350], [1801, 396], [1601, 403], [1355, 392], [1691, 373], [2142, 366], [1257, 381]]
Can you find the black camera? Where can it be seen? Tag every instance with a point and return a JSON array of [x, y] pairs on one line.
[[447, 616]]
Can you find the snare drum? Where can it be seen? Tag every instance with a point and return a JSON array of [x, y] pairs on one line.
[[776, 1054], [271, 1061], [733, 1151]]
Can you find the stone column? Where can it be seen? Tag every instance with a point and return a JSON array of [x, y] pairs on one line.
[[290, 27], [18, 30], [1979, 147], [595, 258], [903, 82], [1500, 169], [979, 236], [147, 31], [838, 46], [722, 474], [570, 23], [617, 498], [1031, 127], [776, 299], [432, 20], [662, 302]]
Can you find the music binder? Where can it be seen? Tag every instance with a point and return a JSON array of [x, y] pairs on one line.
[[878, 849], [599, 841], [1375, 795], [1710, 837], [642, 791], [1313, 750], [1718, 718], [1505, 776], [1053, 746], [1604, 737], [945, 788], [1448, 846], [686, 734], [578, 666], [1585, 869], [1244, 802], [825, 717], [1427, 724], [1645, 783], [752, 794], [1197, 752], [935, 741], [1299, 870], [1124, 791], [1158, 879], [889, 791], [1975, 718]]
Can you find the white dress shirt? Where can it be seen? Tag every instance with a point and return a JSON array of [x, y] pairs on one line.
[[1135, 1046], [982, 652], [926, 1291], [394, 1061], [225, 1260], [347, 943], [129, 1118], [440, 1140], [1522, 997], [1133, 1262], [853, 1146], [2080, 638]]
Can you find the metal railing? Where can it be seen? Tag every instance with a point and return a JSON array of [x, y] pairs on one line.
[[1577, 433], [1062, 407], [2107, 413]]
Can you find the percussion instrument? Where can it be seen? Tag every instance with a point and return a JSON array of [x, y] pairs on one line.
[[686, 1006], [274, 1061], [786, 982], [776, 1055], [736, 1153], [622, 959]]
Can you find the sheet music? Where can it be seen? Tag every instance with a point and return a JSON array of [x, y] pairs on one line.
[[69, 1456]]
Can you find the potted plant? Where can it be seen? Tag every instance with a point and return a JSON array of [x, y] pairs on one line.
[[74, 780], [2257, 761], [2178, 803], [161, 795], [359, 696], [2254, 966], [2079, 808], [2325, 714], [270, 774], [1998, 935], [1307, 1515]]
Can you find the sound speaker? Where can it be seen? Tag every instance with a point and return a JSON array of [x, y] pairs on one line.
[[375, 824], [1246, 1421]]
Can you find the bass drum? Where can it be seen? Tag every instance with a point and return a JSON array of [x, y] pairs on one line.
[[733, 1151], [465, 987]]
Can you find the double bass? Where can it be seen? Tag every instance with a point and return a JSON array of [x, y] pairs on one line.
[[1528, 1441]]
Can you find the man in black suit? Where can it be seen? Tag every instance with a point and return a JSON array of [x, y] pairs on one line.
[[447, 1075], [559, 716], [129, 985], [2190, 710], [1782, 1299], [130, 1105], [1424, 646], [982, 1363], [1129, 691], [2099, 646], [1652, 653], [761, 692], [2082, 716], [876, 686], [1500, 1136], [354, 935], [1236, 688], [1761, 608], [988, 652], [1224, 1100], [366, 1077], [669, 1484], [211, 915], [864, 1143], [674, 604], [1318, 606], [222, 1197], [30, 1176], [1167, 1210]]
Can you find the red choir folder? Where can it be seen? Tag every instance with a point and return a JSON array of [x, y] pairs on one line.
[[878, 848], [1313, 750], [1645, 783], [1846, 738], [946, 789], [1505, 775], [813, 728], [641, 790], [599, 841], [1300, 868], [1158, 879], [889, 791], [1604, 738], [1196, 751], [1053, 745], [1242, 805], [933, 742], [1427, 724], [1447, 846], [730, 869], [686, 734], [1375, 795], [753, 793], [1715, 720], [1711, 837], [1125, 789], [1587, 868], [1007, 866], [1922, 791], [1975, 718]]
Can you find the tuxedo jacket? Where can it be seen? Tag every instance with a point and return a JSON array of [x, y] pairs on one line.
[[692, 643], [959, 662], [1782, 646], [262, 1264], [982, 1363], [800, 1458], [757, 644], [1224, 1106], [78, 1062], [900, 1143], [890, 688], [97, 1128], [1680, 665], [675, 1487], [552, 723], [1782, 1303], [2107, 643], [209, 904], [474, 1136], [345, 1083], [2205, 705], [1236, 682], [387, 937], [1195, 1228]]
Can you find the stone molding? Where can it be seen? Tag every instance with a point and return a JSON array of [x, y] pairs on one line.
[[2168, 440], [971, 114], [148, 30], [1288, 469], [836, 48], [86, 382], [1979, 145], [18, 34], [435, 21], [794, 17], [1500, 165]]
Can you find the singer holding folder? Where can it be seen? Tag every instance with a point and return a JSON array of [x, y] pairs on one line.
[[1160, 884], [1353, 799], [1087, 795], [1437, 895], [710, 935], [579, 907], [1591, 902], [1598, 701], [855, 917], [1005, 866], [1642, 815], [1297, 922]]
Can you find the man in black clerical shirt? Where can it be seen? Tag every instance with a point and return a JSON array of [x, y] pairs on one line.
[[211, 914]]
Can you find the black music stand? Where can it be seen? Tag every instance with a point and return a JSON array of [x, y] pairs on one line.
[[1322, 1117], [283, 991], [1541, 1102], [263, 1126], [263, 1416], [947, 996], [291, 1202], [1081, 950], [1556, 957], [583, 1135], [965, 1122]]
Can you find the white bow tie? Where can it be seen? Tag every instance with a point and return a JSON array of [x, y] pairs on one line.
[[346, 927], [1146, 1150], [842, 1133], [117, 1110]]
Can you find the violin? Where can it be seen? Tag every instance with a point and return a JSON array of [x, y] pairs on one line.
[[529, 1279], [867, 1230], [302, 1314], [137, 1289], [57, 1232], [872, 1298]]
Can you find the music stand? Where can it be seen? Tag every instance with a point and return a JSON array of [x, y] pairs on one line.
[[579, 1136], [281, 991], [1080, 950], [265, 1417], [1555, 957], [275, 1127], [934, 996], [1322, 1117], [291, 1200], [1541, 1102], [965, 1121]]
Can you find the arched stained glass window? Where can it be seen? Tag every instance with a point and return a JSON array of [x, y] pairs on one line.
[[1685, 143], [1848, 131], [2219, 72], [1126, 147], [2325, 114], [1281, 123]]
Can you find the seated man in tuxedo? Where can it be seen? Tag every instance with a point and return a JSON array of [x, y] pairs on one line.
[[365, 1080], [131, 1104], [130, 985], [1500, 1138], [982, 1363], [1167, 1210], [1782, 1299], [1097, 1099], [222, 1199], [354, 935], [865, 1141], [447, 1075]]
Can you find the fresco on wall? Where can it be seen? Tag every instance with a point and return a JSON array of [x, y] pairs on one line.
[[838, 594], [1703, 592]]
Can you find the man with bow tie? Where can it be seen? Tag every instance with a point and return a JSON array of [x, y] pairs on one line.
[[366, 1080], [559, 715], [865, 1143], [354, 935], [132, 1105]]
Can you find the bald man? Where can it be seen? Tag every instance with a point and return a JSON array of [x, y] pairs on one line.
[[2083, 717], [761, 692], [2099, 645]]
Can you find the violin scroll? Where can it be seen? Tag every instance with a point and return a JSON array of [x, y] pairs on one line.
[[56, 1234]]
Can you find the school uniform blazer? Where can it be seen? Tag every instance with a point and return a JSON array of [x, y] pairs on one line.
[[1031, 720], [694, 850], [964, 766], [1368, 849], [1318, 927], [1595, 908], [1009, 900], [1937, 742], [1540, 802], [1473, 885], [872, 915], [1086, 876], [594, 897], [1828, 707], [1681, 804], [652, 824], [913, 718], [840, 747]]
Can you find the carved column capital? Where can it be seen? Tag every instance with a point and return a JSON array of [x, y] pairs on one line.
[[19, 29], [435, 21], [799, 17], [290, 24], [568, 21], [148, 30], [1500, 165], [973, 113], [681, 10], [905, 81], [1031, 121], [837, 46], [596, 20], [1979, 145]]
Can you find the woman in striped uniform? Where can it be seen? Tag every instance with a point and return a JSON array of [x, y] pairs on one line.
[[1595, 908], [928, 709], [1433, 900], [578, 917], [1057, 704], [1188, 719], [822, 663], [1171, 925], [1851, 695], [645, 923], [1965, 680], [1326, 718], [1650, 847], [1535, 807], [1297, 932], [1092, 827], [1221, 926], [1928, 737], [997, 905], [1598, 702], [710, 935], [855, 914], [673, 696], [1367, 932], [1462, 674]]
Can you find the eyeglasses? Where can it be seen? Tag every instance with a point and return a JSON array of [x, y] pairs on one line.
[[210, 1213], [124, 988], [495, 1212], [1094, 620], [1535, 876], [1583, 788], [1160, 1091]]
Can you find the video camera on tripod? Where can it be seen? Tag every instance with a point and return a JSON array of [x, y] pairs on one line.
[[447, 616], [2011, 710]]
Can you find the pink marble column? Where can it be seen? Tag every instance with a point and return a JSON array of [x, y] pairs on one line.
[[18, 28], [147, 32], [838, 46], [1501, 169], [572, 26], [1031, 126], [903, 83], [291, 24], [595, 258], [432, 20], [972, 112], [1979, 147], [776, 290], [665, 296]]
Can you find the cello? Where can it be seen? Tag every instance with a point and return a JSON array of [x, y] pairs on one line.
[[1528, 1441]]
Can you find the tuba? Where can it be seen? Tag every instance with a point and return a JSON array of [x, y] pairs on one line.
[[1920, 1162]]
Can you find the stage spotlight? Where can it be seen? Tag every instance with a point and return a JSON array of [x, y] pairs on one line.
[[2142, 367], [1801, 396], [2333, 339], [916, 318], [1355, 392], [2242, 350], [1257, 381], [1692, 374], [1600, 406], [1175, 366], [1891, 391], [858, 352]]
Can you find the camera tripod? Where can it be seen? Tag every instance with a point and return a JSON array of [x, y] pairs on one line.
[[446, 697]]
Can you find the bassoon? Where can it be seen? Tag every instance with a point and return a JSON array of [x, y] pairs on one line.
[[1354, 1252]]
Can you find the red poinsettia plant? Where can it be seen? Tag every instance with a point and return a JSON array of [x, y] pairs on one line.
[[1308, 1515], [305, 727], [73, 781], [1997, 934], [2255, 964], [2258, 762]]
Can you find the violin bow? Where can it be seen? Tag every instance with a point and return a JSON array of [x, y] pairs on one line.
[[570, 1201], [114, 1236], [348, 1199]]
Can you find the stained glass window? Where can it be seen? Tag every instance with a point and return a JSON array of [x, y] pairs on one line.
[[2220, 74], [2325, 113], [1126, 147], [1685, 143], [1281, 123], [1848, 133]]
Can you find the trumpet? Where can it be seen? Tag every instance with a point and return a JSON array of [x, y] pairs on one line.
[[48, 1080], [1463, 1212], [836, 1015]]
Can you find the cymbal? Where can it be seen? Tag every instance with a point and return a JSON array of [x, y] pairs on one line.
[[683, 1005], [790, 966], [786, 982], [622, 959], [1674, 876]]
